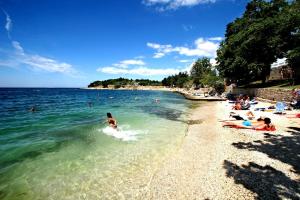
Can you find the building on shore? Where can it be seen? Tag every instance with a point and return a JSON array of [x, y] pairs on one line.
[[280, 70]]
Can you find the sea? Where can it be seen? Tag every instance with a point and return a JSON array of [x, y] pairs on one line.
[[64, 149]]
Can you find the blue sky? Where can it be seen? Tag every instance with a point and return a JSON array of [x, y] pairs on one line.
[[62, 43]]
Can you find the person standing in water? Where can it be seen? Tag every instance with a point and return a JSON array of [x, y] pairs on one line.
[[112, 122]]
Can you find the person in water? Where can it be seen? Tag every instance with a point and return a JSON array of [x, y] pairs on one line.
[[112, 122], [32, 109]]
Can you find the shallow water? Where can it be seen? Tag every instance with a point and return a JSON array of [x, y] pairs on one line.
[[65, 151]]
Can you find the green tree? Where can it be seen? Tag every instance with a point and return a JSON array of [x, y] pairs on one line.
[[122, 82], [290, 31], [266, 31], [210, 78], [200, 67], [178, 80]]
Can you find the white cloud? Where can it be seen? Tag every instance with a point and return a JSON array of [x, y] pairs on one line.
[[37, 62], [163, 5], [47, 64], [213, 62], [153, 2], [8, 24], [137, 67], [215, 38], [208, 47], [159, 55], [143, 71], [18, 47], [139, 57], [126, 63], [9, 63], [187, 27], [279, 62], [162, 50], [185, 61], [203, 47]]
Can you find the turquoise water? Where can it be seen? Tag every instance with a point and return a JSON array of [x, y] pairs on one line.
[[65, 151]]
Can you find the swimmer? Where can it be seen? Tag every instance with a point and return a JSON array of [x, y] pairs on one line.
[[32, 109], [112, 122]]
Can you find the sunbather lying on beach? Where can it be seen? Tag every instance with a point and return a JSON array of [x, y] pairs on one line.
[[261, 125], [234, 116]]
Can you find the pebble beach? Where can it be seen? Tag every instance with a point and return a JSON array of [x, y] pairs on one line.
[[214, 162]]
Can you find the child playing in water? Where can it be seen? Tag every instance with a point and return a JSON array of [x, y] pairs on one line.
[[112, 122]]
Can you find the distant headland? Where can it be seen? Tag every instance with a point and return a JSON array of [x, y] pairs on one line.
[[124, 83]]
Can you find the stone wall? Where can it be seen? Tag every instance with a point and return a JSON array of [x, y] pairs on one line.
[[273, 94], [281, 73]]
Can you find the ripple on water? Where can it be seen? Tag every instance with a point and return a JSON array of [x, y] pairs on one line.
[[62, 152]]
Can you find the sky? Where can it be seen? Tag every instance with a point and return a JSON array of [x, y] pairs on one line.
[[63, 43]]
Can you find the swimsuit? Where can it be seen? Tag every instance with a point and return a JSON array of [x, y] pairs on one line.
[[267, 128], [247, 123], [112, 122]]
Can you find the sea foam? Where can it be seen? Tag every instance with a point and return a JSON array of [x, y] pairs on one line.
[[120, 133]]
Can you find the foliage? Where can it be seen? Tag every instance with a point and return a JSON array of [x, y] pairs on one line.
[[294, 62], [266, 31], [219, 87], [122, 82], [146, 82], [200, 68], [178, 80], [202, 74], [210, 78]]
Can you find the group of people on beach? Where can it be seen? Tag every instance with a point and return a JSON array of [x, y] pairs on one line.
[[295, 103], [248, 120], [242, 103]]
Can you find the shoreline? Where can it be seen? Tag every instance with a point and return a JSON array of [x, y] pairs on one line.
[[158, 88], [221, 163], [186, 94]]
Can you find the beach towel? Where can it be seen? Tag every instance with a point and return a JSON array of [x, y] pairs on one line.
[[243, 127], [295, 116]]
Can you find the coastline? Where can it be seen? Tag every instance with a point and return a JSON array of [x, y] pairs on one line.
[[221, 163], [158, 88], [186, 94]]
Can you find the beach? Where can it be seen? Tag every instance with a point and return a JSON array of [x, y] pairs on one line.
[[167, 149], [221, 163]]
